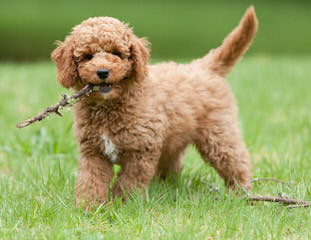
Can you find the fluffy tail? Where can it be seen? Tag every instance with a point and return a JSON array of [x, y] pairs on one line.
[[235, 44]]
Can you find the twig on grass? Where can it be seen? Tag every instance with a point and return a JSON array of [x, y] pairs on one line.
[[281, 199], [64, 102], [292, 202]]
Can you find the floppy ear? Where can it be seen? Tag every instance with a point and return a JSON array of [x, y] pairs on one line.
[[66, 68], [140, 56]]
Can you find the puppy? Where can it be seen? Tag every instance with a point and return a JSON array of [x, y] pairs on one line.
[[143, 117]]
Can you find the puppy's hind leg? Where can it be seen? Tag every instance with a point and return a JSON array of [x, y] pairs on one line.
[[222, 146]]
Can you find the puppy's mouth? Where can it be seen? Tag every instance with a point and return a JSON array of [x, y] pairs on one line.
[[105, 87]]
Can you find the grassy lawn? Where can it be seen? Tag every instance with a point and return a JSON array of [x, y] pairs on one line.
[[38, 165]]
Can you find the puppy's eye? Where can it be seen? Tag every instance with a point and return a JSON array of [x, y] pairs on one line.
[[88, 56], [116, 53]]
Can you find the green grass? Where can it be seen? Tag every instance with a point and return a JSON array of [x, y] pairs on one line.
[[38, 165]]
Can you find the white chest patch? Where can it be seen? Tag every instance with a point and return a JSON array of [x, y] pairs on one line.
[[110, 149]]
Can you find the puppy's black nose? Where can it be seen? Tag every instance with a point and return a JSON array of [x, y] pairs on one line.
[[103, 73]]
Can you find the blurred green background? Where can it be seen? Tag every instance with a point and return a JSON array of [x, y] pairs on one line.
[[177, 28]]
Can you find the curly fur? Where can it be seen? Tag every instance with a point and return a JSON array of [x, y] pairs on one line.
[[152, 112]]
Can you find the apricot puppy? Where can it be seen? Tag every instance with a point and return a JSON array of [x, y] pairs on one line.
[[143, 117]]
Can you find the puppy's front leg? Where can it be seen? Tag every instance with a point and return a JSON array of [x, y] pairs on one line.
[[94, 175], [137, 170]]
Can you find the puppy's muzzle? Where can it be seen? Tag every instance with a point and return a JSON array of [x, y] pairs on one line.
[[103, 73]]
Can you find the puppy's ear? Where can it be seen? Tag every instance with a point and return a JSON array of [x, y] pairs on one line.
[[140, 56], [66, 68]]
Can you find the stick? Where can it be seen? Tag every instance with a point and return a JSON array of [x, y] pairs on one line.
[[294, 203], [65, 101], [287, 201]]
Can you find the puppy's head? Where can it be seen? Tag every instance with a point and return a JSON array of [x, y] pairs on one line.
[[104, 52]]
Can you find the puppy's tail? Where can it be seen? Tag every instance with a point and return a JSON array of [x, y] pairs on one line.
[[222, 59]]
